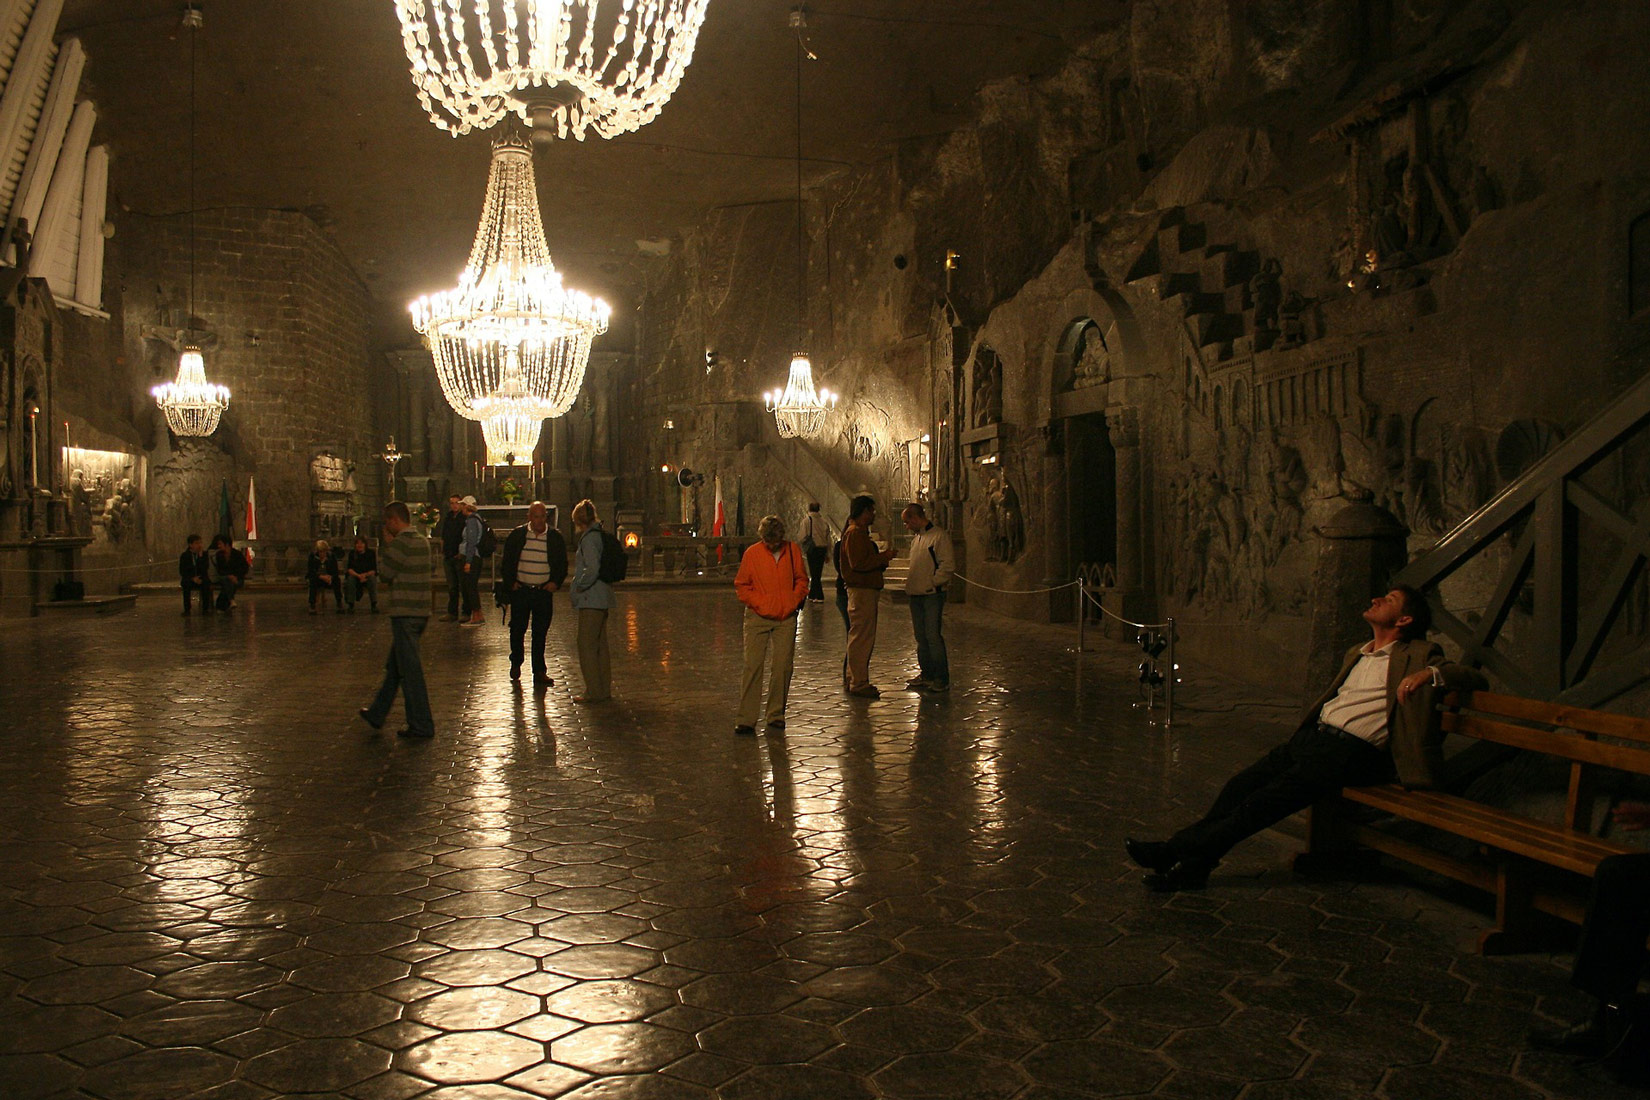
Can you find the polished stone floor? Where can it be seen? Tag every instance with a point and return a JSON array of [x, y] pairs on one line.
[[216, 882]]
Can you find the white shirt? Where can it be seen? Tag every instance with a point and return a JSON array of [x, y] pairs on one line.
[[533, 568], [817, 528], [1360, 706]]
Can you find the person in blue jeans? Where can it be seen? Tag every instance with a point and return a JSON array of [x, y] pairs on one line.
[[404, 565], [933, 564]]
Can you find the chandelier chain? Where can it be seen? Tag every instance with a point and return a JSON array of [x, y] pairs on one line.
[[801, 246]]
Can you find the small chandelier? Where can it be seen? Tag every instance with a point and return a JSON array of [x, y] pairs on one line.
[[798, 409], [510, 307], [192, 405], [562, 66], [511, 421]]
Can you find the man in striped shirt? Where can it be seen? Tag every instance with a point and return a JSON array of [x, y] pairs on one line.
[[533, 566], [404, 565]]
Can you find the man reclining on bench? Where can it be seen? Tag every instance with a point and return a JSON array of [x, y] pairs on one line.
[[1373, 725]]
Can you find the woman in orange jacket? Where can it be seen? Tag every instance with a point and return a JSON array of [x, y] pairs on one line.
[[773, 585]]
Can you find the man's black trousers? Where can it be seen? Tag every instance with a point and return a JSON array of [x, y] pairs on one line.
[[529, 606], [1610, 956], [1309, 766]]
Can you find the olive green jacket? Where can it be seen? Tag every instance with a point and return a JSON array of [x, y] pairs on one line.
[[1413, 736]]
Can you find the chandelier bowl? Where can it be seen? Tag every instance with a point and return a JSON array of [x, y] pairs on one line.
[[192, 405], [799, 409], [510, 311], [564, 67]]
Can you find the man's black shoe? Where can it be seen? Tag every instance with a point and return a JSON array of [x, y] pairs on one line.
[[745, 731], [1184, 876], [777, 724], [367, 718], [515, 672], [542, 682], [415, 733], [1153, 855]]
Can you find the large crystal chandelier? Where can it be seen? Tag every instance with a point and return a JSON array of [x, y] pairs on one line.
[[511, 420], [563, 66], [798, 409], [193, 406], [510, 312]]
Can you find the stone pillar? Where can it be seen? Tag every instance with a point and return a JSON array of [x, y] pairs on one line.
[[558, 480], [1360, 549], [1129, 599], [1056, 525]]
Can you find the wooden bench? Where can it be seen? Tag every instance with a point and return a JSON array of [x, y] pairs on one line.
[[1527, 864]]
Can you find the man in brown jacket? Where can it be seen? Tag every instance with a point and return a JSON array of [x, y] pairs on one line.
[[1373, 725], [862, 568]]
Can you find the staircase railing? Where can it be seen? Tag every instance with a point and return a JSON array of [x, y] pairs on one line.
[[1561, 621]]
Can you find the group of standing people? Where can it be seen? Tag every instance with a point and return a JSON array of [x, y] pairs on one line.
[[532, 569], [777, 577], [464, 543], [197, 568]]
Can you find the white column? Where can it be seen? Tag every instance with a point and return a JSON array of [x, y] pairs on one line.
[[33, 57], [65, 187], [88, 271], [48, 136]]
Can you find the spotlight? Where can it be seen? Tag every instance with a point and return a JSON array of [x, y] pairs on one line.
[[686, 478]]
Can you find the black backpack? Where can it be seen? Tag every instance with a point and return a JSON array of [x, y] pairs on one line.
[[488, 541], [615, 562]]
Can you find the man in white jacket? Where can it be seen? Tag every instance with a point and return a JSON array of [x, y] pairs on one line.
[[933, 564]]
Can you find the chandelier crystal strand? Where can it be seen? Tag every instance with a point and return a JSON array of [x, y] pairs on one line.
[[570, 67], [192, 405], [510, 309]]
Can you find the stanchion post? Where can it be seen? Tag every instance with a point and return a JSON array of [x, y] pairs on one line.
[[1168, 690], [1082, 614]]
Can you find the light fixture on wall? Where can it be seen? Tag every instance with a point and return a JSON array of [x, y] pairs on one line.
[[562, 66], [193, 406], [799, 409], [510, 313]]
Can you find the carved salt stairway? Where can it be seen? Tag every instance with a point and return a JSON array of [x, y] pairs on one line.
[[1209, 283]]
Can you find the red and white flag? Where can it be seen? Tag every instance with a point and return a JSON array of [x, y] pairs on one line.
[[251, 514], [720, 524]]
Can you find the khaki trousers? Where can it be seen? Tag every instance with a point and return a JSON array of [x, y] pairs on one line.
[[593, 660], [862, 634], [761, 635]]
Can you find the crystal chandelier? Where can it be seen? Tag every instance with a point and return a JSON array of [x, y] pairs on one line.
[[562, 66], [799, 410], [511, 420], [193, 406], [510, 309]]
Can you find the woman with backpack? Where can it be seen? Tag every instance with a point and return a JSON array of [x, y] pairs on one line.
[[592, 597]]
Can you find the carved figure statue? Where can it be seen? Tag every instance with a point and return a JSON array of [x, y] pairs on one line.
[[1093, 365], [1291, 323], [1007, 521], [988, 388], [119, 514], [1266, 293]]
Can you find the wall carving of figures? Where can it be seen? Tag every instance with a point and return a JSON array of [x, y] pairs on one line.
[[998, 515], [986, 390], [866, 433], [1092, 355]]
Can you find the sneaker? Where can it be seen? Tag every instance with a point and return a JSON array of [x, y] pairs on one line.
[[915, 683]]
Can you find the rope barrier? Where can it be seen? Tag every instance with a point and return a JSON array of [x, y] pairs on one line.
[[1126, 622], [1017, 591]]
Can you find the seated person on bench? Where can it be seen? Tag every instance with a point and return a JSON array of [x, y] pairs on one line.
[[1610, 961], [1371, 726]]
